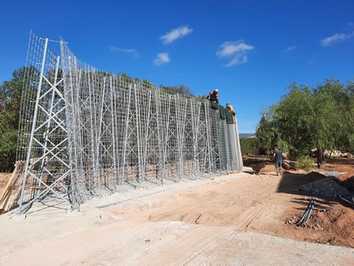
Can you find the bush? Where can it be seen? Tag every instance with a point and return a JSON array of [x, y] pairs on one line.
[[8, 150], [305, 163], [248, 146]]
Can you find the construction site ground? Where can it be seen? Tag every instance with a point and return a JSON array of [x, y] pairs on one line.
[[235, 219]]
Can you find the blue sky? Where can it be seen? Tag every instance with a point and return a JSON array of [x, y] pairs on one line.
[[250, 50]]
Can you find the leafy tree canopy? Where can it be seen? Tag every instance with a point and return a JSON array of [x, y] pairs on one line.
[[308, 118], [10, 99]]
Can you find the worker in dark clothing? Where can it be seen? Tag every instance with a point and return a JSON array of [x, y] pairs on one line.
[[319, 157], [278, 158], [213, 97]]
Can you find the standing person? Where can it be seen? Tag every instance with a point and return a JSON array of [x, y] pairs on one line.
[[278, 158], [232, 114], [232, 139], [213, 97], [319, 157]]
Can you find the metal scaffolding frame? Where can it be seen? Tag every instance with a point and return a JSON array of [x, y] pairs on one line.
[[85, 132]]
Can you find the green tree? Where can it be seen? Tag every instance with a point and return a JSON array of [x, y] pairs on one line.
[[266, 134], [293, 118], [308, 118], [10, 100], [248, 146]]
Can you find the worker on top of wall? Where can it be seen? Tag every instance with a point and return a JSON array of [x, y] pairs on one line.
[[222, 113], [213, 97], [232, 140], [230, 114]]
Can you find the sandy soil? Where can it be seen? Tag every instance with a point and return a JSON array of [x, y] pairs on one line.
[[234, 219], [331, 222], [259, 203]]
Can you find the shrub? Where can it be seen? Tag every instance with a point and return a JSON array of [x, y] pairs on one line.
[[305, 163], [248, 146]]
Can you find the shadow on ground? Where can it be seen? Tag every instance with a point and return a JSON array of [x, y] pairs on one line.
[[326, 189]]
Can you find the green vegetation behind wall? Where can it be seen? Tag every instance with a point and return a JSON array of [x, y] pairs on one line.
[[310, 118], [10, 98], [248, 146]]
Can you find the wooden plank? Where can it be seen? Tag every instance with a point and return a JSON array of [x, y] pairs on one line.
[[9, 193]]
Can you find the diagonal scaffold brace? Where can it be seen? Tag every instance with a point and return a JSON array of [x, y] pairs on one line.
[[47, 170]]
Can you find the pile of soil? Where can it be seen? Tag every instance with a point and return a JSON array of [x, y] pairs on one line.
[[331, 222], [267, 169], [328, 188], [334, 226]]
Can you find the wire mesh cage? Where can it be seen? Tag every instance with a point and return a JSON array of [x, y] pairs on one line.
[[85, 132]]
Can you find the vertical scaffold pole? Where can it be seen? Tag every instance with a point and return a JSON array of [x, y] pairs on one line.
[[159, 143], [208, 131], [138, 140], [46, 135], [113, 99], [125, 140], [146, 137], [39, 88]]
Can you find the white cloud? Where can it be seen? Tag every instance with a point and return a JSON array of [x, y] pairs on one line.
[[162, 58], [176, 34], [237, 60], [290, 48], [235, 51], [336, 38], [130, 51]]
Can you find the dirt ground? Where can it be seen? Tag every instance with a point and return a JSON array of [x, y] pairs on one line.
[[261, 203], [331, 222], [237, 219]]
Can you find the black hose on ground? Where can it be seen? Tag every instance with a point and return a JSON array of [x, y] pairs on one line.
[[307, 213]]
